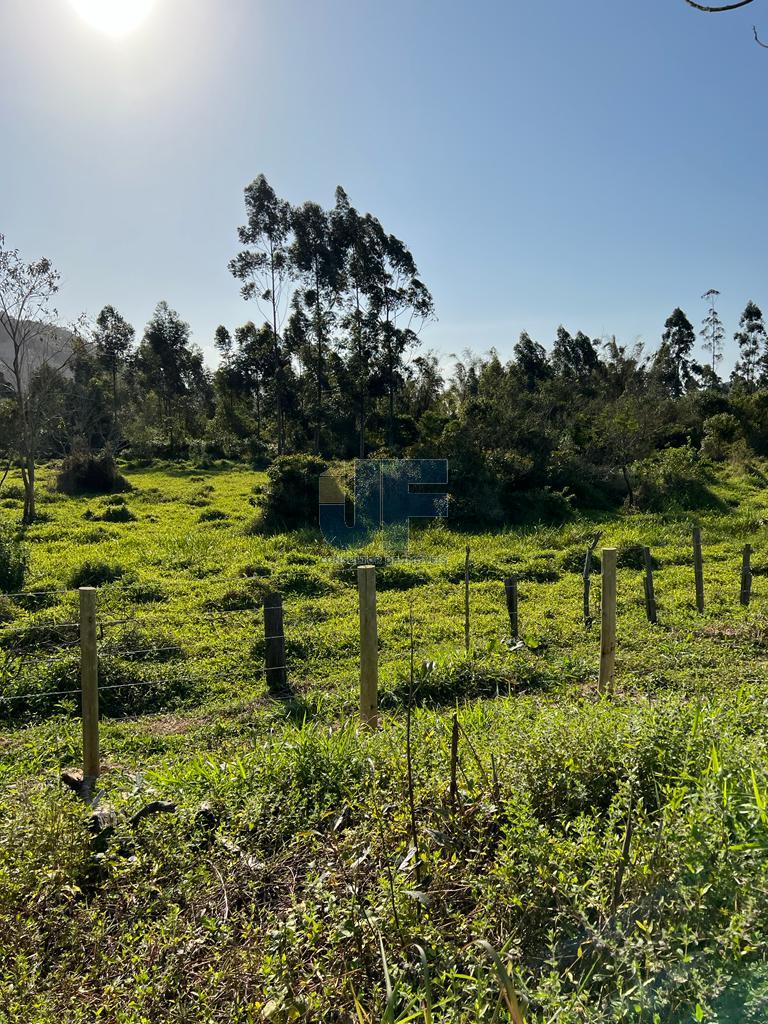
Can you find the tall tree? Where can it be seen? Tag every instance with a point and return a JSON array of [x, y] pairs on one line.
[[672, 365], [170, 365], [401, 305], [712, 330], [574, 357], [113, 338], [316, 259], [531, 362], [753, 346], [34, 346], [222, 340], [265, 270], [253, 360], [355, 237]]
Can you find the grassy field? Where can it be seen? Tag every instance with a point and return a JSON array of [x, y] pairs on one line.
[[605, 859]]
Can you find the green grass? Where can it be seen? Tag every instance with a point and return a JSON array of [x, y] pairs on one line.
[[296, 894]]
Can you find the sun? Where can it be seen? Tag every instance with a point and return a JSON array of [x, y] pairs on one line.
[[114, 17]]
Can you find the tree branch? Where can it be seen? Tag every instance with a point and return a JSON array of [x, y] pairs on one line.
[[717, 10]]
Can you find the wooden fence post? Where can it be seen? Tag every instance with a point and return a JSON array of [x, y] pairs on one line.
[[698, 570], [369, 646], [746, 574], [587, 577], [274, 644], [466, 600], [650, 593], [89, 681], [607, 621], [510, 589]]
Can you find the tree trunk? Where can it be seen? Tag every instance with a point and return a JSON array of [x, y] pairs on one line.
[[630, 492], [114, 401], [28, 478], [319, 335]]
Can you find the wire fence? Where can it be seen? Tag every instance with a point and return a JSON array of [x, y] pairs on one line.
[[228, 623]]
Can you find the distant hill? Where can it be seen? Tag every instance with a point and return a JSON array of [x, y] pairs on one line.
[[51, 345]]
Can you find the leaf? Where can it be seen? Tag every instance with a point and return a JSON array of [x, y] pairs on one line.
[[505, 983]]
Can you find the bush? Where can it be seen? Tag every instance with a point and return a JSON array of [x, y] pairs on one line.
[[573, 558], [212, 515], [95, 574], [145, 592], [116, 514], [90, 474], [297, 580], [721, 434], [632, 556], [293, 492], [673, 478], [14, 562]]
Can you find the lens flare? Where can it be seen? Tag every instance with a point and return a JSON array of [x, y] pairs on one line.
[[114, 17]]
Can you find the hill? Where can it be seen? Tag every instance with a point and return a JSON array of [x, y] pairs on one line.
[[48, 345]]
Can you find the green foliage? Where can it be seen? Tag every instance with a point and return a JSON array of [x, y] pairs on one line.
[[292, 499], [90, 474], [95, 573], [290, 855], [14, 562], [673, 478]]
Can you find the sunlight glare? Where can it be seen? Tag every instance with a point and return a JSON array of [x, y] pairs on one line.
[[114, 17]]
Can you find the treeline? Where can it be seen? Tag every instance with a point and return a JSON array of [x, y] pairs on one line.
[[328, 363]]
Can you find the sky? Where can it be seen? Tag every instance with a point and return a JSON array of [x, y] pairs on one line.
[[592, 163]]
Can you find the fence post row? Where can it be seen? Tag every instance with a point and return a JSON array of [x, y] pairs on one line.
[[466, 601], [274, 636], [650, 593], [369, 647], [510, 589], [89, 681], [274, 643], [607, 621], [746, 575], [698, 570]]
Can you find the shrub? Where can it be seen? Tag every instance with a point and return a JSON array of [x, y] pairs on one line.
[[90, 474], [212, 515], [673, 478], [116, 514], [14, 562], [7, 614], [95, 574], [631, 556], [292, 494], [721, 433], [297, 580], [145, 592], [573, 558], [388, 577]]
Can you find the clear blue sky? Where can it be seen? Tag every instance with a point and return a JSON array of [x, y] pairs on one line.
[[592, 163]]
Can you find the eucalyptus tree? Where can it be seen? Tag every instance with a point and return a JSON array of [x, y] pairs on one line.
[[400, 304], [253, 362], [752, 366], [531, 362], [712, 330], [265, 268], [113, 338], [355, 239], [317, 261], [222, 340], [672, 366], [171, 367]]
